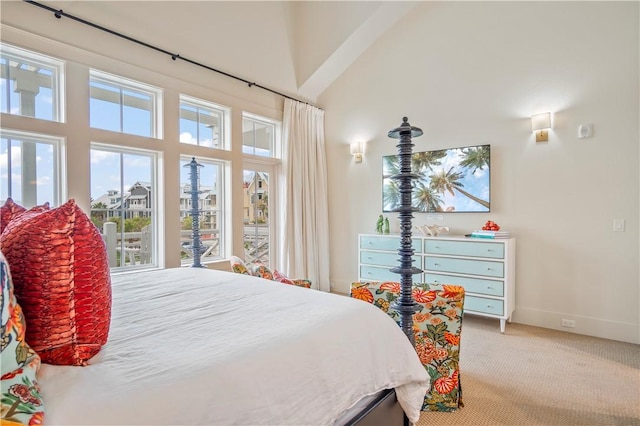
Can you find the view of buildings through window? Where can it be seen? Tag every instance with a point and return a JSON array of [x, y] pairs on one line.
[[210, 217], [123, 187], [121, 210], [256, 216]]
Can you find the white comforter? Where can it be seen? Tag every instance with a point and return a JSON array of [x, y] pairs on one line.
[[196, 346]]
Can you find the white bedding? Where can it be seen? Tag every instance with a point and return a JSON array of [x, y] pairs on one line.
[[197, 346]]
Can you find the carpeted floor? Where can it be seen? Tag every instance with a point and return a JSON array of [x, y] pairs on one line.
[[535, 376]]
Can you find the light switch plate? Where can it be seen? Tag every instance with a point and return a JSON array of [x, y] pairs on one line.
[[585, 131], [618, 225]]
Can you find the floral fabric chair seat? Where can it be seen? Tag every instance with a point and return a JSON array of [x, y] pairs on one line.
[[437, 327]]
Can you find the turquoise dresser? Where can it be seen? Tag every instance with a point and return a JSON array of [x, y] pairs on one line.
[[485, 268]]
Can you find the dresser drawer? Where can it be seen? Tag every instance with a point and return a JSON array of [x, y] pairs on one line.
[[374, 273], [374, 242], [471, 285], [465, 248], [385, 259], [464, 266], [485, 306]]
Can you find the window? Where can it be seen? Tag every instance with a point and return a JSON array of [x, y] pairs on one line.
[[124, 204], [203, 123], [31, 84], [257, 230], [124, 106], [258, 136], [210, 204], [30, 168]]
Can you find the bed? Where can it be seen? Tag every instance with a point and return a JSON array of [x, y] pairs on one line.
[[199, 346]]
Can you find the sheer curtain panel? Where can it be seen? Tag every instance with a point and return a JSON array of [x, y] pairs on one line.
[[305, 218]]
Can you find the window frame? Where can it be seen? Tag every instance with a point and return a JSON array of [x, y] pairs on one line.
[[43, 61], [222, 200], [123, 83], [58, 144], [225, 123], [157, 217], [275, 147]]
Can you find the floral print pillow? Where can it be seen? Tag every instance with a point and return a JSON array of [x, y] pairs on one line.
[[238, 266], [259, 269], [436, 326], [21, 401]]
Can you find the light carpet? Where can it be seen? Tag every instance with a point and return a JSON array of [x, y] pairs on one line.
[[536, 376]]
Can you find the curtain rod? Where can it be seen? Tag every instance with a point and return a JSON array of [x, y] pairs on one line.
[[60, 13]]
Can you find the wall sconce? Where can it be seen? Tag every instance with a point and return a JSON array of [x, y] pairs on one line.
[[540, 123], [357, 148]]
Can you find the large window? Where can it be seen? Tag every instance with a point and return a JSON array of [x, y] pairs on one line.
[[210, 200], [124, 204], [124, 106], [31, 84], [203, 123], [30, 168]]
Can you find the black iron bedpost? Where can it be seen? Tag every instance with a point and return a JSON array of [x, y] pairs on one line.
[[194, 175], [405, 304]]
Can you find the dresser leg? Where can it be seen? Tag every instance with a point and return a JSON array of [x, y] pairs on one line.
[[502, 325]]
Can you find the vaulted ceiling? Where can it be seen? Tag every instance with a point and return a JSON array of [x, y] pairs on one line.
[[295, 47]]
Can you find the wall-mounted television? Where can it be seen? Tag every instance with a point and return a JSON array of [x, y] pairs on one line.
[[454, 180]]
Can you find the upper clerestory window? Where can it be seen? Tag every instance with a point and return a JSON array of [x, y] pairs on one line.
[[204, 123], [31, 84], [125, 106]]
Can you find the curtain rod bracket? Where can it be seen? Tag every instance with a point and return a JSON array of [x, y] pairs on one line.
[[175, 56], [59, 13]]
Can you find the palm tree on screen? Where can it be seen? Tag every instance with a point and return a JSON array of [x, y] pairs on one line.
[[475, 158], [448, 181], [426, 198]]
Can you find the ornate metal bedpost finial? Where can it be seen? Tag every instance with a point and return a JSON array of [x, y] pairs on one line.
[[194, 175], [405, 304]]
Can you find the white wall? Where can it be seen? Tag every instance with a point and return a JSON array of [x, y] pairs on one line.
[[472, 73]]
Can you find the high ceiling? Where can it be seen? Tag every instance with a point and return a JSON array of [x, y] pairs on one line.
[[297, 48]]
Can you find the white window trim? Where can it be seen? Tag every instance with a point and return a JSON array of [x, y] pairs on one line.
[[276, 149], [225, 126], [223, 220], [58, 78], [153, 91], [59, 166], [157, 237]]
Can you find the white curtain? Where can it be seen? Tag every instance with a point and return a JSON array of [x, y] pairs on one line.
[[304, 241]]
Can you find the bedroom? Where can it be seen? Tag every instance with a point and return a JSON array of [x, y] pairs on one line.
[[466, 73]]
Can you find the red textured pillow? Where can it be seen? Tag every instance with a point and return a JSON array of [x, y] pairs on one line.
[[10, 210], [60, 270]]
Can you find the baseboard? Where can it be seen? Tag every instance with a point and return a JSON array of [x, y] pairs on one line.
[[596, 327]]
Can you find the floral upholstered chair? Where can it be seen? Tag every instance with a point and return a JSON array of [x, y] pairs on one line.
[[437, 327], [258, 269]]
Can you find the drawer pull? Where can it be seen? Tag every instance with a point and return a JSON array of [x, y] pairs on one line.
[[369, 258], [489, 269], [489, 306]]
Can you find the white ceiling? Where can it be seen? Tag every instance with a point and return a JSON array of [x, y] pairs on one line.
[[297, 48]]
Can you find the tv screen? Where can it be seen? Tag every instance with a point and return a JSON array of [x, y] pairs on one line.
[[455, 180]]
